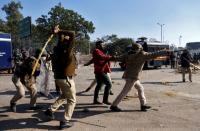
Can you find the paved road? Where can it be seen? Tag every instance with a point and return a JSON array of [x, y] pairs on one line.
[[176, 105]]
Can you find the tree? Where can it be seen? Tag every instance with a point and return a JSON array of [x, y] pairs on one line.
[[109, 38], [119, 46], [13, 17], [66, 19], [115, 45], [3, 26]]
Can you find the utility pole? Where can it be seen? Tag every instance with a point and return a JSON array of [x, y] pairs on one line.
[[180, 40], [161, 32]]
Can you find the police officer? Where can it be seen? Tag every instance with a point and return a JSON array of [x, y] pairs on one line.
[[22, 78], [135, 62], [64, 65], [185, 64]]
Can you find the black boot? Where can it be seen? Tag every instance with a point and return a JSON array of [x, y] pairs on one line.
[[13, 107], [65, 124], [96, 102], [49, 114], [115, 109], [107, 102], [111, 93], [145, 107]]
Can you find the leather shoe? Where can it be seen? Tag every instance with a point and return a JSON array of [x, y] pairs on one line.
[[115, 109], [145, 107], [49, 114], [97, 102], [13, 107], [107, 102], [65, 124], [111, 93]]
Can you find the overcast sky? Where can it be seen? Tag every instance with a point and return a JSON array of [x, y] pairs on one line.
[[129, 18]]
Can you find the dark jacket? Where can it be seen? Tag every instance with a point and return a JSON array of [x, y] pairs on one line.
[[24, 70], [63, 58], [185, 59]]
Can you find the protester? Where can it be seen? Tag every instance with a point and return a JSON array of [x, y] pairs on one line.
[[22, 77], [94, 81], [185, 60], [135, 61], [172, 60], [101, 70], [17, 57], [44, 79], [64, 65]]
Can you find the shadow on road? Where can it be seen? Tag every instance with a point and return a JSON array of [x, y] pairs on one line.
[[24, 123], [7, 93], [39, 121]]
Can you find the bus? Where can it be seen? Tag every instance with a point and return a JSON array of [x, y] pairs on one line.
[[150, 46], [5, 52], [158, 61], [194, 49]]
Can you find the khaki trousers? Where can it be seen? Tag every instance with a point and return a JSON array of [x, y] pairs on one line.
[[184, 69], [21, 90], [128, 85], [68, 94]]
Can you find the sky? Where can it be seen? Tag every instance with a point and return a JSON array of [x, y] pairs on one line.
[[129, 18]]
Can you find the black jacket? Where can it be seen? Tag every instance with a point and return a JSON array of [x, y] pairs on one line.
[[185, 59]]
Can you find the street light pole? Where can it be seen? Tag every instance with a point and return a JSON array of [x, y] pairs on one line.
[[180, 40], [161, 32]]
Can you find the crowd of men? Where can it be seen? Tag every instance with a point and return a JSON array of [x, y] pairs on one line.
[[64, 65]]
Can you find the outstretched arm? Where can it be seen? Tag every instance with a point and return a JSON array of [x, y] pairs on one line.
[[89, 62]]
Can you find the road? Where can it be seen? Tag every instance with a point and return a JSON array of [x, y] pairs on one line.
[[175, 105]]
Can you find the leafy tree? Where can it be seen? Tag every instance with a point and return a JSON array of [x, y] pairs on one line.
[[83, 46], [66, 19], [109, 38], [119, 46], [3, 26], [115, 45], [13, 17]]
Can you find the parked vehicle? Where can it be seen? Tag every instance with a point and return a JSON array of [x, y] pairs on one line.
[[150, 47], [5, 52], [158, 61]]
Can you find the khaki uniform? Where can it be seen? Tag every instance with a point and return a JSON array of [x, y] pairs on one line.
[[135, 64], [30, 85], [64, 65], [68, 95], [184, 70], [185, 64], [22, 79]]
